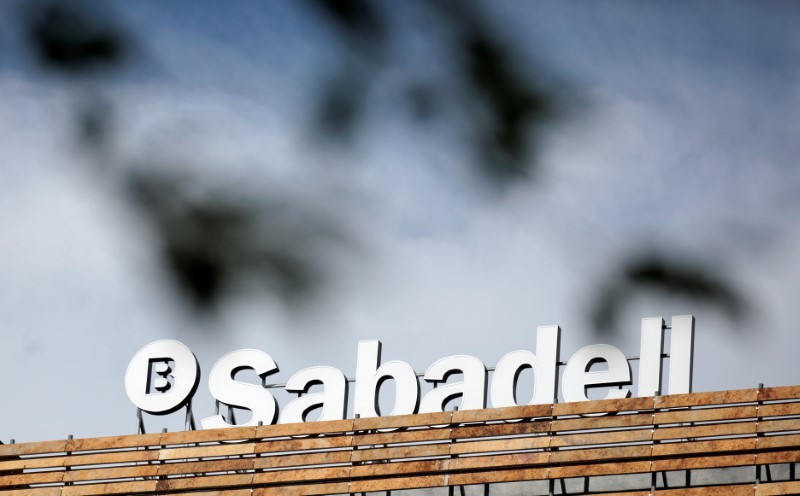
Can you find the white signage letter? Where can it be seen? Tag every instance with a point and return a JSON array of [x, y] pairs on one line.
[[681, 353], [506, 374], [650, 351], [577, 376], [472, 389], [333, 399], [370, 374], [225, 389], [162, 377]]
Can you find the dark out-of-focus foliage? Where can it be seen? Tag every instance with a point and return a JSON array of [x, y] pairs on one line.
[[211, 244], [74, 38], [486, 86], [666, 275]]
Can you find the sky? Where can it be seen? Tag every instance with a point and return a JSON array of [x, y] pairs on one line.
[[682, 138]]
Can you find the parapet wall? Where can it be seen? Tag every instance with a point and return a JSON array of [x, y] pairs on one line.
[[731, 442]]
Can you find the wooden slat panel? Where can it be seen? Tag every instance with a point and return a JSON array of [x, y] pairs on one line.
[[731, 490], [513, 444], [305, 428], [207, 435], [135, 487], [498, 476], [311, 443], [779, 393], [700, 415], [113, 457], [113, 442], [702, 462], [778, 409], [714, 398], [207, 451], [779, 425], [607, 421], [601, 438], [499, 461], [425, 419], [279, 461], [777, 488], [562, 472], [304, 490], [618, 405], [582, 455], [401, 437], [726, 429], [22, 463], [206, 466], [399, 468], [301, 475], [786, 441], [396, 483], [790, 456], [39, 491], [400, 452], [474, 447], [506, 413], [223, 492], [31, 478], [111, 473], [709, 447], [42, 447], [524, 427], [220, 481]]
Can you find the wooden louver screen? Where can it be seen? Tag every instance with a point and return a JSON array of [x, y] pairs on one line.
[[743, 428]]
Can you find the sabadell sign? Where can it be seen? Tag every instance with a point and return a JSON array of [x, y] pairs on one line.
[[163, 376]]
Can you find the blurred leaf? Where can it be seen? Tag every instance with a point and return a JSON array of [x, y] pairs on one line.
[[213, 242], [72, 38], [670, 276]]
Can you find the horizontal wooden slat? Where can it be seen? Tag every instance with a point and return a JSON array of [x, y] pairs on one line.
[[498, 476], [779, 393], [697, 462], [707, 430], [113, 442], [513, 444], [604, 422], [42, 447], [709, 447], [604, 406], [713, 398], [567, 471], [301, 475], [595, 438], [582, 455], [425, 419], [705, 414], [500, 461], [778, 409], [311, 443], [401, 452], [401, 437], [303, 490], [490, 430], [729, 490], [281, 461], [779, 425], [134, 487], [397, 483], [777, 488], [304, 428], [506, 413]]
